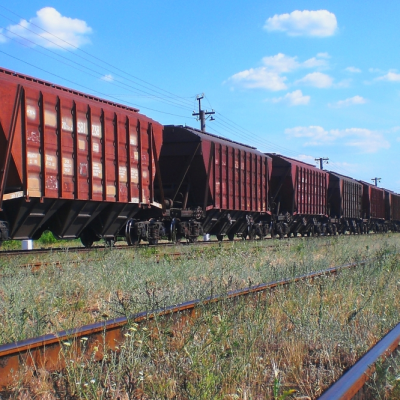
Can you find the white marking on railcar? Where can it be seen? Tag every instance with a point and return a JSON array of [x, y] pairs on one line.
[[97, 170], [68, 166], [96, 131], [31, 112], [123, 174], [15, 195], [51, 162], [34, 159], [134, 175]]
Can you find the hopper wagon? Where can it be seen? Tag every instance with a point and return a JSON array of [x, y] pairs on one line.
[[74, 164], [345, 197], [299, 198], [214, 185], [373, 207]]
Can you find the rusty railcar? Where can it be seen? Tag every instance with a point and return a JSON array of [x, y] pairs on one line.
[[214, 185], [345, 203], [72, 163], [299, 195], [392, 210], [373, 207]]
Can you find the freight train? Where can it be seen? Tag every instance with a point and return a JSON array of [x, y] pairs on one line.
[[84, 167]]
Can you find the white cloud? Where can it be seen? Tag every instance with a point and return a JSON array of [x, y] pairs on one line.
[[281, 63], [353, 70], [319, 23], [350, 101], [269, 76], [390, 77], [295, 98], [259, 78], [316, 79], [50, 29], [107, 78], [365, 140]]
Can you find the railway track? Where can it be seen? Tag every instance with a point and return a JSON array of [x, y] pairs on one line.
[[5, 253], [46, 351], [351, 385]]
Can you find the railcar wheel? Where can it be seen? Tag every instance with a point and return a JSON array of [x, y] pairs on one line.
[[131, 236], [153, 242], [220, 238], [87, 239], [231, 236]]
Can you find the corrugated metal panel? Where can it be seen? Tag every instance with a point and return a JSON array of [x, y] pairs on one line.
[[71, 146], [60, 167], [238, 175], [298, 187], [345, 196], [395, 206], [377, 203], [373, 201], [310, 191]]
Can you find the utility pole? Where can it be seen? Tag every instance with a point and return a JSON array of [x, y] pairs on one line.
[[322, 161], [376, 180], [202, 114]]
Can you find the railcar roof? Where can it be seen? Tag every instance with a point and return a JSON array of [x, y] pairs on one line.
[[349, 178], [8, 74], [370, 184], [296, 162], [216, 138]]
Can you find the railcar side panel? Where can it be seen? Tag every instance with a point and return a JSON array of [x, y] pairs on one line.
[[72, 157], [298, 187], [345, 197], [373, 202]]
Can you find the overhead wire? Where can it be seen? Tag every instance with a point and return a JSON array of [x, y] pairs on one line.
[[85, 87], [185, 100], [100, 74]]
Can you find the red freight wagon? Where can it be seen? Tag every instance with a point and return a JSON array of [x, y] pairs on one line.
[[223, 183], [299, 192], [392, 207], [345, 202], [70, 162], [373, 202]]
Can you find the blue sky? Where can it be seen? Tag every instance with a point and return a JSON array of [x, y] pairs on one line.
[[306, 79]]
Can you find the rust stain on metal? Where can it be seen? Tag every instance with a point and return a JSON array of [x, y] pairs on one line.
[[355, 378]]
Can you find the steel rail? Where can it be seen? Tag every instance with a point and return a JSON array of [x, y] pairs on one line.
[[352, 381], [46, 351], [97, 248], [142, 245]]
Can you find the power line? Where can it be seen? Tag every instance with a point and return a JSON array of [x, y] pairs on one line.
[[86, 87], [184, 101]]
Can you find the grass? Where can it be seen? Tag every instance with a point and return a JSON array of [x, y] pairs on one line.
[[107, 284], [290, 342]]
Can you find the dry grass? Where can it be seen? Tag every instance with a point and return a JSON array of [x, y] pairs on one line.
[[297, 338]]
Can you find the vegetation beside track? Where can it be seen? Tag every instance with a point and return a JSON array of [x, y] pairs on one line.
[[301, 338], [102, 285]]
